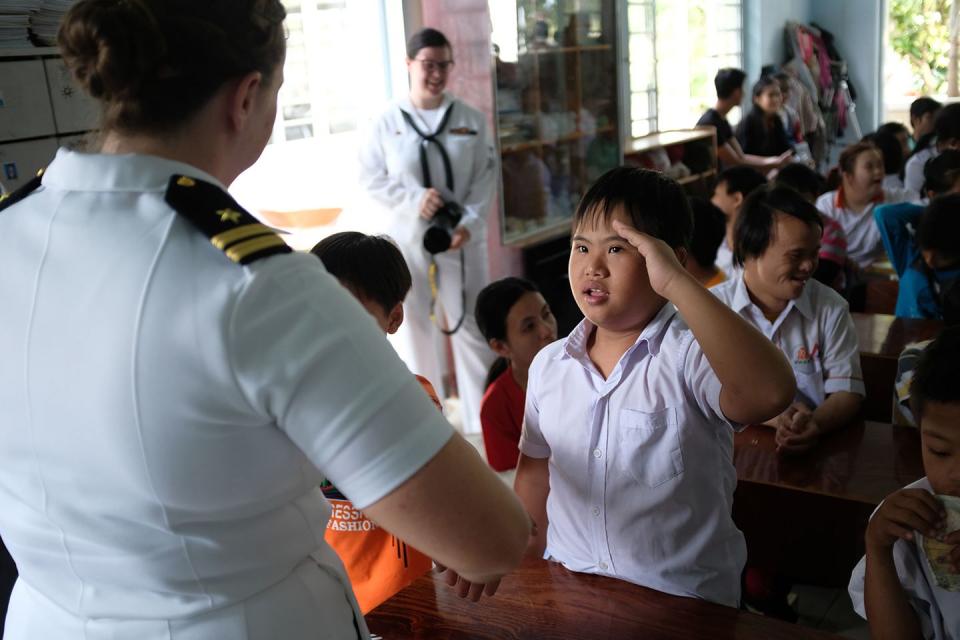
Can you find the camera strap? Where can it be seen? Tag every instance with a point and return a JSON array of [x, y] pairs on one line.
[[426, 139], [432, 272]]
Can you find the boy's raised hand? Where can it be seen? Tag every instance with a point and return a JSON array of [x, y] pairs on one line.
[[901, 514], [663, 267]]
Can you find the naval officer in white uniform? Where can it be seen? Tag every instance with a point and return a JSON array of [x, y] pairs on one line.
[[424, 150], [175, 381]]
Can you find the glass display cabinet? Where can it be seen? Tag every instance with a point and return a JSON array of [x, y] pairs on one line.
[[557, 110]]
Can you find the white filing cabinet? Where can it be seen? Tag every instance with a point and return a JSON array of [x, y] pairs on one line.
[[40, 110]]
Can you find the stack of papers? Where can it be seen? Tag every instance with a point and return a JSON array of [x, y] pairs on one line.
[[14, 22], [45, 21]]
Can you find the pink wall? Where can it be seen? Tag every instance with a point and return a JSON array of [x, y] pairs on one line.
[[466, 23]]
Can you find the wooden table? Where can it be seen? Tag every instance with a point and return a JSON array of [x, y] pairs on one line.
[[543, 601], [806, 514], [882, 338]]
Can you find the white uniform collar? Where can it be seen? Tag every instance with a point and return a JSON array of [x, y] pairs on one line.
[[407, 105], [575, 344], [75, 171], [803, 304]]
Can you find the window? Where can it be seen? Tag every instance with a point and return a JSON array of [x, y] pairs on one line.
[[344, 63], [675, 49]]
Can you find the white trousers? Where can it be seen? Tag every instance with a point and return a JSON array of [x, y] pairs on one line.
[[422, 346]]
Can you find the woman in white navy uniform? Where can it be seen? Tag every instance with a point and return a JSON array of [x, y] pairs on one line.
[[176, 381], [423, 151]]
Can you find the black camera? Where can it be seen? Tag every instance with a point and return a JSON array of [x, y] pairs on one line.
[[439, 234]]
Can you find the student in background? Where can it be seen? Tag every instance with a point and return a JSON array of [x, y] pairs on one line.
[[709, 229], [732, 187], [379, 565], [777, 245], [935, 272], [788, 115], [894, 586], [923, 113], [860, 176], [833, 244], [922, 270], [517, 323], [893, 159], [945, 135], [729, 86], [761, 131], [899, 131], [629, 421]]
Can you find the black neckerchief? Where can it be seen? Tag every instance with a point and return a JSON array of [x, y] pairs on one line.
[[426, 139]]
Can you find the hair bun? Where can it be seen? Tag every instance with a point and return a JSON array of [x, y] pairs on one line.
[[111, 46]]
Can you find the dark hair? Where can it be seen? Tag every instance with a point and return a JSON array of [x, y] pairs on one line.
[[372, 266], [922, 106], [893, 128], [153, 63], [754, 229], [889, 148], [492, 307], [763, 83], [427, 38], [937, 372], [709, 228], [741, 179], [919, 108], [942, 172], [655, 204], [939, 228], [727, 81], [946, 126], [801, 179]]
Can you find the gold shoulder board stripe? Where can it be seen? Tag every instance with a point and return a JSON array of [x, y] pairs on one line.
[[239, 252], [222, 240]]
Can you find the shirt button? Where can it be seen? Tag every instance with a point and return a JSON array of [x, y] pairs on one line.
[[603, 565], [596, 511], [597, 453]]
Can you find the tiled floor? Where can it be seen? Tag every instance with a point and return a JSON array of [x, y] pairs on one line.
[[829, 610]]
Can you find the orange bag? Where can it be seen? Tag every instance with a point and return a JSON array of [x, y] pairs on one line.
[[378, 563]]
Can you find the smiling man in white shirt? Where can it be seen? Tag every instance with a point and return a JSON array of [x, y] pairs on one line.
[[777, 241]]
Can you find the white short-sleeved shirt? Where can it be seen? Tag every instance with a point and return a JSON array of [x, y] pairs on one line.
[[913, 171], [864, 244], [391, 173], [641, 464], [937, 609], [815, 332], [166, 416], [724, 260]]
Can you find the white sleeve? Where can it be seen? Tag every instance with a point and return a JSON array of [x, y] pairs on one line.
[[532, 443], [914, 582], [841, 354], [476, 204], [309, 358], [389, 190], [703, 385], [913, 173]]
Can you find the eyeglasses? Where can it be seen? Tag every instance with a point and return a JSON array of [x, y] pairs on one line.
[[429, 66]]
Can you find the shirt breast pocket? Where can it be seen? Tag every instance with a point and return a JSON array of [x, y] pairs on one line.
[[650, 448]]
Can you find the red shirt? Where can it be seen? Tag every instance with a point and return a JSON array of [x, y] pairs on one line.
[[501, 418]]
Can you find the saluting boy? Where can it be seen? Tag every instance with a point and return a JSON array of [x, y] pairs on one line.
[[627, 446]]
